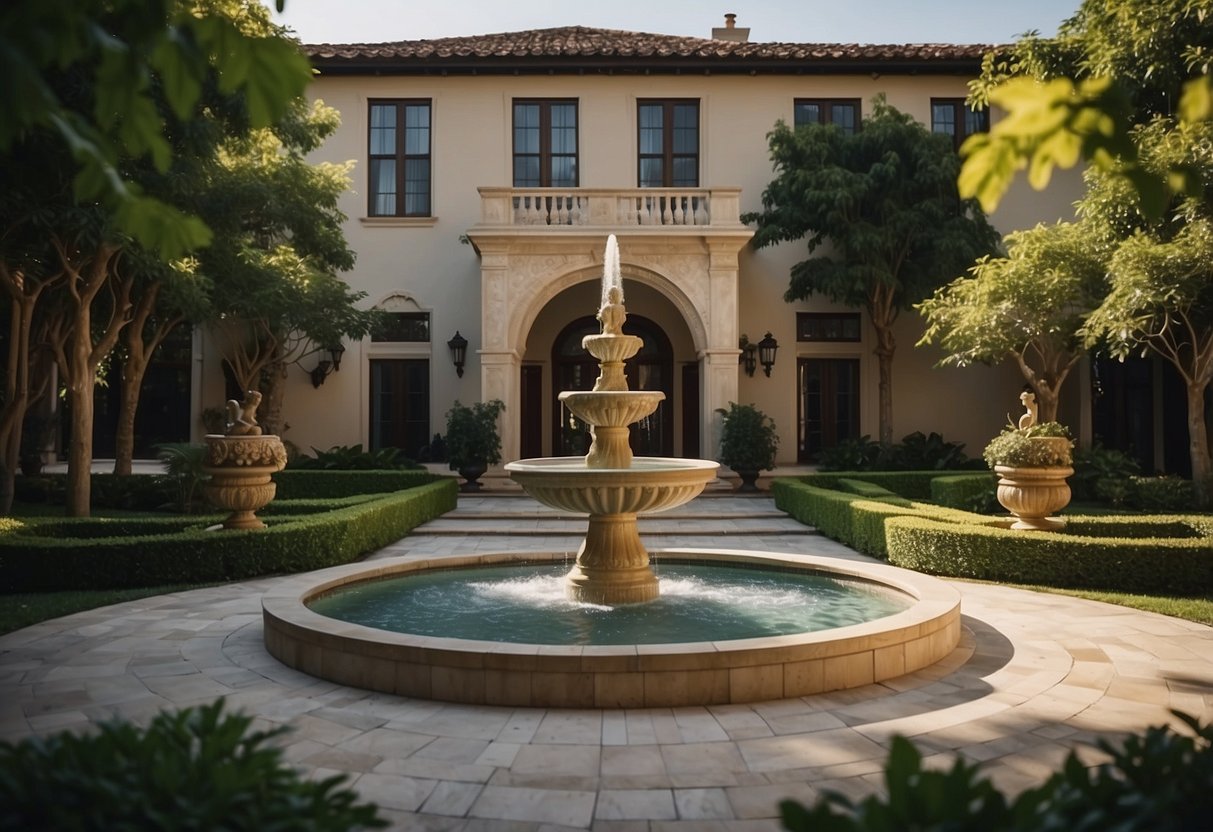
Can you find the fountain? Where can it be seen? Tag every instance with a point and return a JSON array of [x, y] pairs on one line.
[[914, 622], [612, 564]]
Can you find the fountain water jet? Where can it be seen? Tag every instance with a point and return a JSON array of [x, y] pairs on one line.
[[612, 564]]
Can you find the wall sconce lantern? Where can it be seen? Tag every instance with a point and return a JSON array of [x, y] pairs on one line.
[[326, 367], [766, 353], [749, 355], [459, 352]]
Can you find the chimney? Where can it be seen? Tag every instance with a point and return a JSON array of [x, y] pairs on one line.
[[730, 31]]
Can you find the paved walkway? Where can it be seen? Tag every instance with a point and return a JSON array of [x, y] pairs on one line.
[[1034, 677]]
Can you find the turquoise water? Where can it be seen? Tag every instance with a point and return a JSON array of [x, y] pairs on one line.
[[526, 604]]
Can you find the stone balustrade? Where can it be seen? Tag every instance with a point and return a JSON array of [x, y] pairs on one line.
[[696, 208]]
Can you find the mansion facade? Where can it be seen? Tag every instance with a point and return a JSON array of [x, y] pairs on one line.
[[489, 172]]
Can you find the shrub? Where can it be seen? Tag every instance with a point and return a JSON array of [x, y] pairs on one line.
[[1018, 448], [472, 437], [748, 440], [354, 458], [1156, 782], [195, 769], [975, 492], [916, 452], [184, 461], [46, 553], [1162, 493], [850, 455], [295, 484], [1097, 465], [1156, 564]]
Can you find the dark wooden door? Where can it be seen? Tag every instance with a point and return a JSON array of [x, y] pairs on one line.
[[828, 404], [400, 404]]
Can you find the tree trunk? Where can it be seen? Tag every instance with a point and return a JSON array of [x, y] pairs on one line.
[[269, 416], [885, 347], [80, 383], [124, 434], [1198, 440], [1046, 400]]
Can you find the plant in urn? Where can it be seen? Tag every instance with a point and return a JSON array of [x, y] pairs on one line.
[[240, 463]]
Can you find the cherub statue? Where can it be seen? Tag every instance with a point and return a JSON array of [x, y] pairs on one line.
[[242, 416], [1029, 401], [613, 314]]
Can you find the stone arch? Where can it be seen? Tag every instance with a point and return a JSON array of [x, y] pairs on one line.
[[523, 317]]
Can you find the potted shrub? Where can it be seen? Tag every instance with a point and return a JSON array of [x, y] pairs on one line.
[[472, 440], [1032, 464], [747, 442]]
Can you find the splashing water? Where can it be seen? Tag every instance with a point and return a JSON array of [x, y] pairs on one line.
[[610, 270]]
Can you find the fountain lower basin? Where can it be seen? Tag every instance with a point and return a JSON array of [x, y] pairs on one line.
[[612, 676]]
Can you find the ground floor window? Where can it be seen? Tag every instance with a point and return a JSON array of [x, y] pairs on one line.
[[400, 404], [827, 404]]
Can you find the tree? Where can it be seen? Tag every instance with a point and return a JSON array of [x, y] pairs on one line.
[[1160, 274], [1115, 64], [135, 55], [279, 250], [885, 200], [1027, 306]]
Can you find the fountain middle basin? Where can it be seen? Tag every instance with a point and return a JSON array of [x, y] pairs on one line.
[[618, 675]]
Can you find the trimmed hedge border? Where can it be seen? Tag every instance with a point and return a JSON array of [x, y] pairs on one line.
[[1170, 554], [1167, 565], [39, 557]]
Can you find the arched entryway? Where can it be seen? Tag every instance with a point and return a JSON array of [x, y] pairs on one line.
[[651, 369]]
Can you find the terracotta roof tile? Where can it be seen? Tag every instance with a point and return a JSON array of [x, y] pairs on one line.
[[613, 45]]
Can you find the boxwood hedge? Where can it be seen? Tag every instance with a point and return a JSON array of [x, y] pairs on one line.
[[44, 554], [1171, 554]]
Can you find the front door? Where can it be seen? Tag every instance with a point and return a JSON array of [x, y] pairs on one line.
[[651, 369], [827, 404]]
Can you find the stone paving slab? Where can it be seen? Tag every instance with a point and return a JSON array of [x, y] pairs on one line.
[[1035, 677]]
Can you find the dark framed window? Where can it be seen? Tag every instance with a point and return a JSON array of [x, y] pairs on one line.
[[399, 155], [668, 143], [545, 143], [402, 326], [952, 117], [844, 112], [827, 326]]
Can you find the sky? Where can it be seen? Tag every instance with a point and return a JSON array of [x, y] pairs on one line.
[[802, 21]]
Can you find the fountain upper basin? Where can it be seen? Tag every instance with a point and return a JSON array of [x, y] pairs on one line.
[[652, 484]]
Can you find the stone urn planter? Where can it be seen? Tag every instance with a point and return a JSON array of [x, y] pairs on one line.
[[1032, 462], [240, 463], [748, 443]]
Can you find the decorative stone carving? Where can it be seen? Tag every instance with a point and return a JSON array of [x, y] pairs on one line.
[[240, 464]]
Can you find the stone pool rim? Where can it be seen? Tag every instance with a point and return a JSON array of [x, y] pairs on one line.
[[612, 676]]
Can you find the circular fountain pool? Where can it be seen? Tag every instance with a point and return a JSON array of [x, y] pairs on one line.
[[698, 669]]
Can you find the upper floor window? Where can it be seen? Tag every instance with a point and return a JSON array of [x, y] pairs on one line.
[[545, 144], [399, 156], [668, 143], [841, 111], [952, 117]]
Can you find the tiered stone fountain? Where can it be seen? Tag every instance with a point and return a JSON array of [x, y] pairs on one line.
[[562, 663], [612, 564]]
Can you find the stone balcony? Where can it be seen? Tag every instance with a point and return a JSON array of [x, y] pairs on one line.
[[527, 211]]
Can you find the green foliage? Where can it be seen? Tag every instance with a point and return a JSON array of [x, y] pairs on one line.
[[850, 455], [48, 554], [976, 492], [1099, 467], [296, 484], [1113, 65], [1022, 448], [472, 437], [1145, 557], [1162, 493], [1027, 306], [194, 769], [184, 461], [139, 58], [1157, 781], [916, 452], [748, 440], [354, 458]]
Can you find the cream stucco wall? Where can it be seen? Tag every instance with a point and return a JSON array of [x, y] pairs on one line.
[[471, 148]]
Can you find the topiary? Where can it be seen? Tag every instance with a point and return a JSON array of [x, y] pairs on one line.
[[748, 440]]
